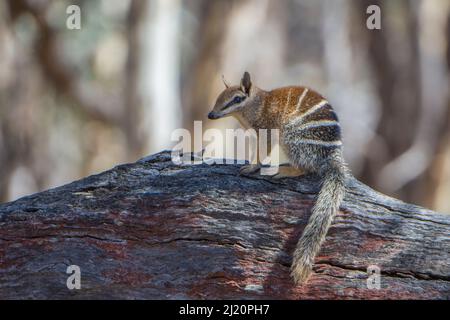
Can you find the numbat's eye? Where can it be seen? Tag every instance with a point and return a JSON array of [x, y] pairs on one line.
[[237, 99]]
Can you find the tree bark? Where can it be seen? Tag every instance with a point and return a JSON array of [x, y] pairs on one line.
[[156, 230]]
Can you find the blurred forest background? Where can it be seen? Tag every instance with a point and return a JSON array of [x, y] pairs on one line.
[[76, 102]]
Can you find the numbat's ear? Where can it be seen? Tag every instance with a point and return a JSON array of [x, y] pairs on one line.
[[246, 83], [227, 85]]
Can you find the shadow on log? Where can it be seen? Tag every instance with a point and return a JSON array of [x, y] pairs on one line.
[[155, 230]]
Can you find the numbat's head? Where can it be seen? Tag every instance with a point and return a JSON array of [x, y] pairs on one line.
[[233, 99]]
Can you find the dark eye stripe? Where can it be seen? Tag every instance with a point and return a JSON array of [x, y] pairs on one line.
[[235, 100]]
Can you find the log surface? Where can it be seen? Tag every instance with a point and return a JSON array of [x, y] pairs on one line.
[[156, 230]]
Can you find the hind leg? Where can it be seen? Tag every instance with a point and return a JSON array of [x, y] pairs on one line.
[[288, 172], [249, 169]]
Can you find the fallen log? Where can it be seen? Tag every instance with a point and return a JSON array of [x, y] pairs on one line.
[[156, 230]]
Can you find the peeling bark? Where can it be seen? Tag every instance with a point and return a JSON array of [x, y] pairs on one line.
[[155, 230]]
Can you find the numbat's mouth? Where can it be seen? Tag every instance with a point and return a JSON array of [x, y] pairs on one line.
[[212, 115]]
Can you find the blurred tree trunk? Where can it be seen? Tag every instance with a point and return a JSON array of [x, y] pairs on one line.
[[132, 103], [438, 176], [18, 128], [212, 17], [160, 72], [434, 113], [411, 103], [395, 65]]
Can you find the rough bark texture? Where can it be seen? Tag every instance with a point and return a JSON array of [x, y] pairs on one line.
[[155, 230]]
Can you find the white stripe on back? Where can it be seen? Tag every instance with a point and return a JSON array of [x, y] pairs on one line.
[[288, 99], [320, 123], [297, 120], [315, 108], [321, 143], [300, 100]]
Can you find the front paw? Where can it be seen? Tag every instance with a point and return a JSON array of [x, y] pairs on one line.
[[301, 270], [249, 169]]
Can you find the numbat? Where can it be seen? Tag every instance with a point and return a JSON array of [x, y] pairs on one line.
[[310, 135]]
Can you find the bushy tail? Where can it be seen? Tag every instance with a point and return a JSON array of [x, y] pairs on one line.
[[323, 212]]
